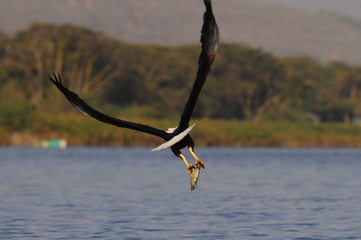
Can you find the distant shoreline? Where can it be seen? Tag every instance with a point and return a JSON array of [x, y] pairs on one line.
[[207, 133]]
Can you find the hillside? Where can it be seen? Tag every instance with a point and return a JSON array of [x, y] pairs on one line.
[[293, 101], [281, 29]]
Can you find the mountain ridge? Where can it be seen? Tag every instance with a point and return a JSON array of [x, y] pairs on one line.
[[280, 29]]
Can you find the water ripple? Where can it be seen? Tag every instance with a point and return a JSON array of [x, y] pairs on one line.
[[245, 193]]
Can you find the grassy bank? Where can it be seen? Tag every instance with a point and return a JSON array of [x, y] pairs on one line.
[[78, 130]]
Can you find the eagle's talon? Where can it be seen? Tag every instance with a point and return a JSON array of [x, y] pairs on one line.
[[200, 163], [190, 168]]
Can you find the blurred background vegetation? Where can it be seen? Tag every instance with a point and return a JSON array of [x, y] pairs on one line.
[[251, 97]]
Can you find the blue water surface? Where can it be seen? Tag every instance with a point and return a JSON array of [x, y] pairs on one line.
[[131, 193]]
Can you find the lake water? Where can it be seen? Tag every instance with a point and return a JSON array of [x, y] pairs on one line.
[[131, 193]]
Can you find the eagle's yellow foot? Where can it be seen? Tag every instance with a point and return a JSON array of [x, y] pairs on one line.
[[190, 168], [200, 163]]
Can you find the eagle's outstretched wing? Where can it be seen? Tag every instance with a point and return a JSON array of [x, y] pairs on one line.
[[210, 41], [84, 108]]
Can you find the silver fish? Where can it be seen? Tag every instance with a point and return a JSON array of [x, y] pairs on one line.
[[194, 176]]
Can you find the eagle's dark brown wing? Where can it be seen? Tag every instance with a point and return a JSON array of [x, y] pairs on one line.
[[210, 41], [84, 108]]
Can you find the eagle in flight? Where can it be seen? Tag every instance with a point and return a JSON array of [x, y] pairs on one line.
[[175, 138]]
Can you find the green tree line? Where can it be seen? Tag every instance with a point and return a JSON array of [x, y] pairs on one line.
[[155, 81]]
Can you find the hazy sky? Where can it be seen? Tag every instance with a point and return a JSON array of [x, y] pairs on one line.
[[342, 7]]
